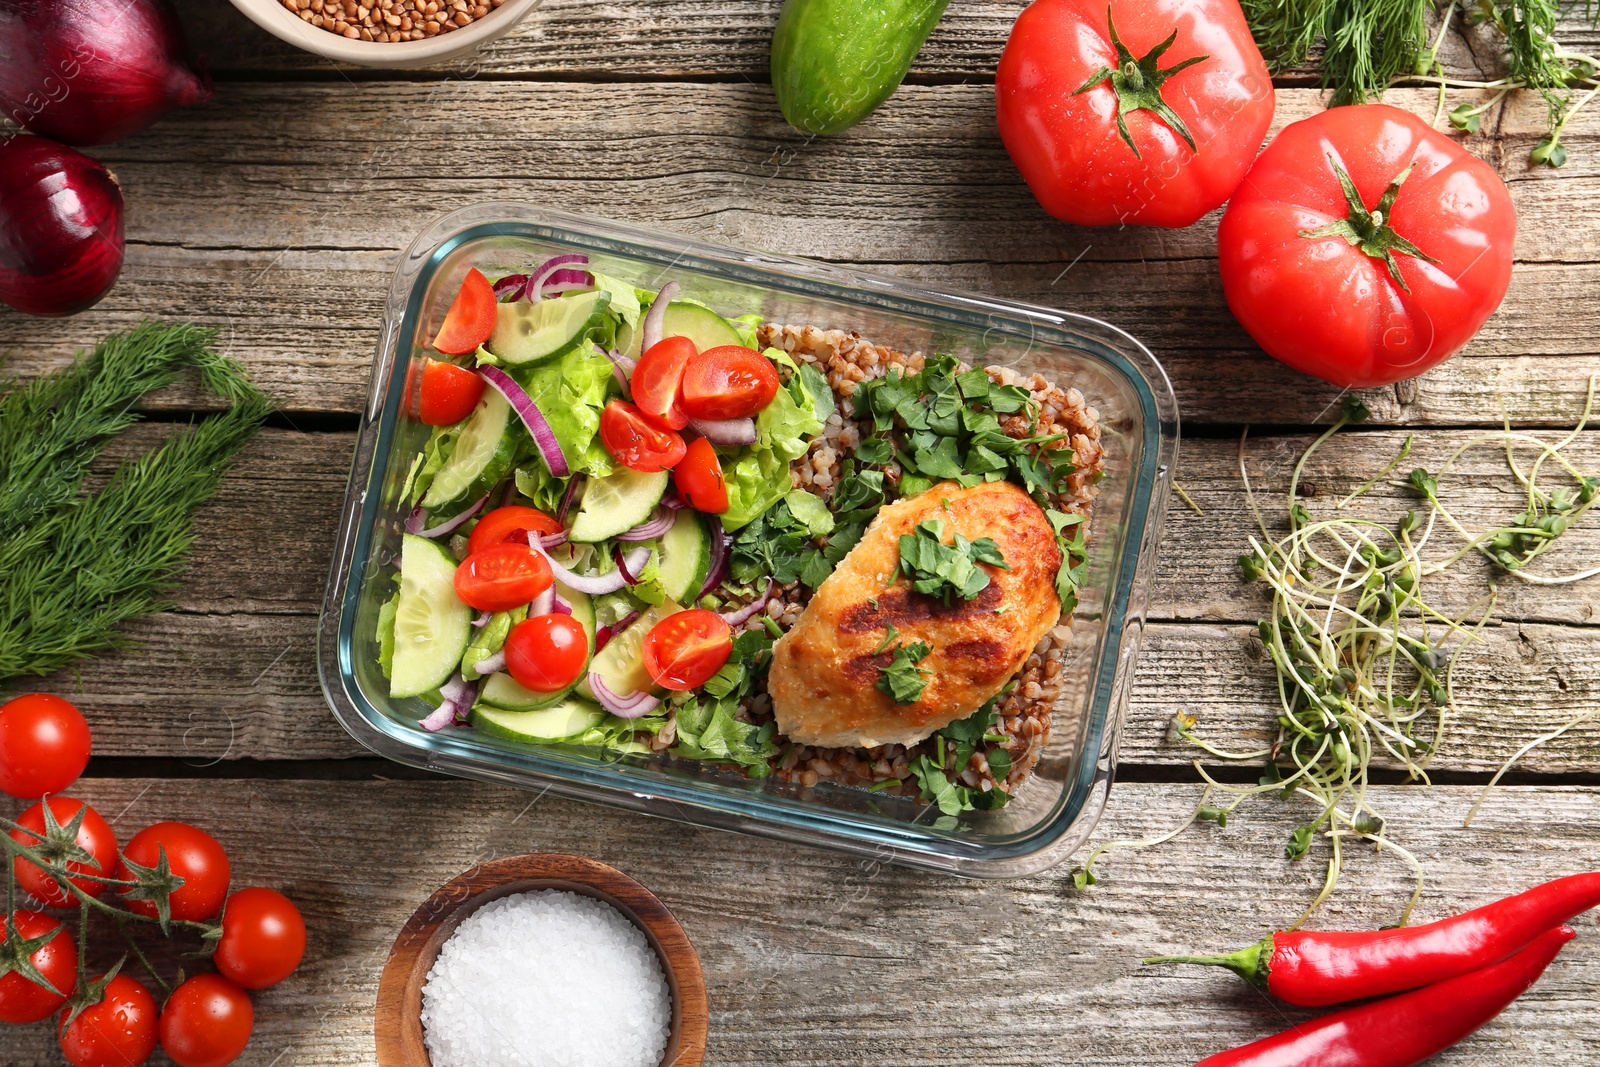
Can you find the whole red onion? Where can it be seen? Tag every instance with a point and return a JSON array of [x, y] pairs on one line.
[[93, 71], [60, 227]]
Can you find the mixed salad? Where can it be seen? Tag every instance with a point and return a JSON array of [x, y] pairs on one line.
[[605, 519]]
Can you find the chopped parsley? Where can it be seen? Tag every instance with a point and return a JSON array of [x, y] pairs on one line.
[[708, 726], [902, 680], [947, 571], [967, 736], [1070, 529]]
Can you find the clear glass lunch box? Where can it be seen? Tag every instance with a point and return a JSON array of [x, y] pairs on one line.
[[1054, 811]]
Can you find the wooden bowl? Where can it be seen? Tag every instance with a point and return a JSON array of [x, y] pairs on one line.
[[399, 1015]]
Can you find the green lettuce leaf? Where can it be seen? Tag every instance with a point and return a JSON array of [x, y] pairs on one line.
[[624, 298], [757, 476], [571, 391], [386, 634], [707, 730], [434, 454]]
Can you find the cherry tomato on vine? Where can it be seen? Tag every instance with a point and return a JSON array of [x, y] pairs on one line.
[[501, 577], [547, 652], [263, 938], [206, 1022], [193, 855], [470, 320], [1143, 111], [94, 836], [448, 393], [44, 745], [120, 1031], [635, 441], [1365, 246], [656, 379], [511, 523], [684, 650], [23, 1000], [728, 382], [698, 477]]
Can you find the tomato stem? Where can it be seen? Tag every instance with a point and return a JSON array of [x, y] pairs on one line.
[[1370, 230], [1137, 83]]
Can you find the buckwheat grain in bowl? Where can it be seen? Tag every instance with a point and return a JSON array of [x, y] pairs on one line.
[[387, 33], [779, 550], [391, 21]]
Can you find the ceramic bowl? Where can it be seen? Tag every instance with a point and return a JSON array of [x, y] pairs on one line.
[[284, 24]]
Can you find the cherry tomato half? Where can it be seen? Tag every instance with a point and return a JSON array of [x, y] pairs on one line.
[[547, 652], [120, 1031], [44, 745], [511, 523], [263, 938], [655, 381], [25, 1001], [94, 837], [635, 441], [448, 393], [206, 1022], [729, 382], [193, 855], [470, 320], [699, 478], [683, 651], [502, 577]]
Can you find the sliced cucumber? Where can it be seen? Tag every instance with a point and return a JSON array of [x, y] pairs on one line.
[[502, 691], [431, 624], [685, 557], [701, 325], [621, 662], [483, 456], [617, 502], [566, 718], [527, 333]]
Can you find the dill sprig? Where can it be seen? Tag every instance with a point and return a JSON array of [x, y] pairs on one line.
[[73, 567]]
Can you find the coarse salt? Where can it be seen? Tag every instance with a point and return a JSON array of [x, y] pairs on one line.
[[546, 979]]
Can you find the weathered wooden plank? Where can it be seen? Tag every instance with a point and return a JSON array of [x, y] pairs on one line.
[[812, 958], [633, 39], [285, 232]]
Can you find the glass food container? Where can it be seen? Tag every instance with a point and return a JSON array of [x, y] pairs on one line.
[[1052, 813]]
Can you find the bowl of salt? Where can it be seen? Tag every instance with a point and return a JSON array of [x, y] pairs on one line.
[[543, 959]]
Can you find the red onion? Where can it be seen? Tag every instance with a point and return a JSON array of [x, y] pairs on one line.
[[60, 226], [532, 418], [511, 288], [451, 525], [632, 706], [565, 281], [621, 370], [593, 585], [655, 319], [631, 564], [560, 607], [603, 636], [548, 267], [657, 525], [417, 520], [729, 433], [483, 619], [542, 604], [567, 497], [458, 697], [496, 662], [750, 610], [719, 557], [93, 71]]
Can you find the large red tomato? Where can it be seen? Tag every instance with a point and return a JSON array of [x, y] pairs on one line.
[[1143, 111], [1365, 247]]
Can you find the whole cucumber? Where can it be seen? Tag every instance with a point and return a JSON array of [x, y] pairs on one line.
[[835, 61]]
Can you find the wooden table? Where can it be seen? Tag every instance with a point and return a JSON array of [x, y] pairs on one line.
[[277, 213]]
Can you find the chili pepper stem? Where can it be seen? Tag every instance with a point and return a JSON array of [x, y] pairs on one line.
[[1252, 963]]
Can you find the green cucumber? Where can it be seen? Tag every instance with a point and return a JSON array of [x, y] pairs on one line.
[[431, 624], [699, 324], [482, 457], [569, 717], [527, 333], [621, 662], [502, 691], [685, 557], [835, 61], [620, 501]]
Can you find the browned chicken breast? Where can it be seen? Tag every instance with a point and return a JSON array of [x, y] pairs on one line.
[[825, 669]]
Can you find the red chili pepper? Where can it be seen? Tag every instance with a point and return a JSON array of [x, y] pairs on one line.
[[1403, 1030], [1316, 969]]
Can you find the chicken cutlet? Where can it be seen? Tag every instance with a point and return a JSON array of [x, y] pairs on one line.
[[825, 670]]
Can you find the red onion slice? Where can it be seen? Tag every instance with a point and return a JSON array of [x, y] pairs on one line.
[[633, 563], [416, 520], [560, 606], [451, 525], [603, 636], [549, 267], [650, 331], [483, 619], [632, 706], [511, 288], [496, 662], [719, 557], [566, 499], [543, 604], [458, 696], [672, 500], [594, 586], [565, 281], [752, 609], [729, 433], [658, 524], [543, 436]]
